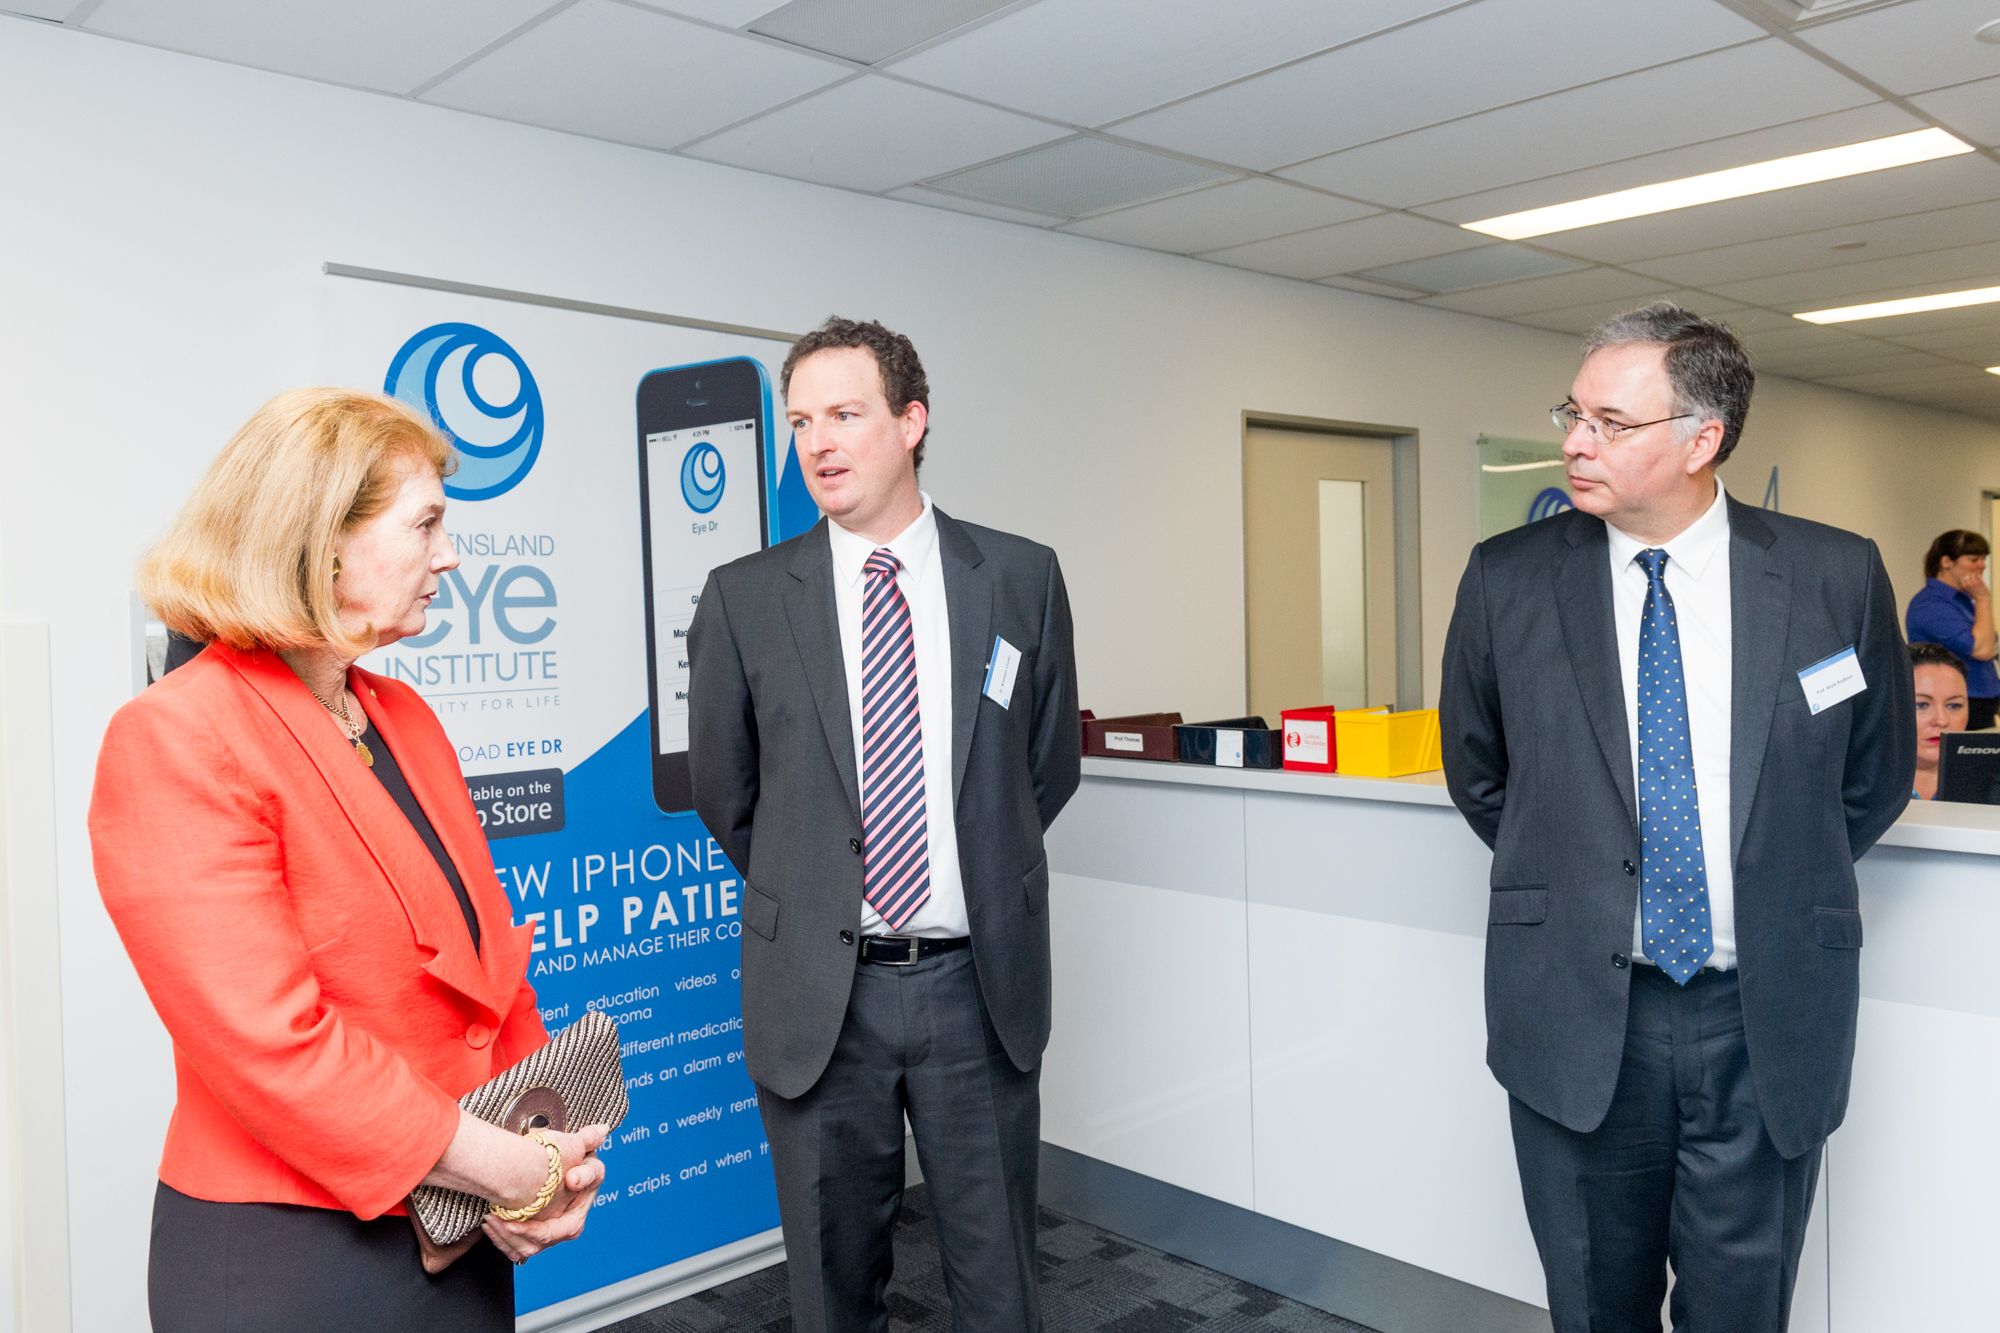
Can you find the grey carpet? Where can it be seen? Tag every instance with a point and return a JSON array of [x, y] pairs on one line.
[[1092, 1282]]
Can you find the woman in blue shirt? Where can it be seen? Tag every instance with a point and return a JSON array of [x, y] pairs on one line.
[[1955, 608]]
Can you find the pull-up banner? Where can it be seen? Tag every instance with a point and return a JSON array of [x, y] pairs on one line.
[[605, 466]]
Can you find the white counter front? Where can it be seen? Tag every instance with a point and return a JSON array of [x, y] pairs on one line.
[[1269, 991]]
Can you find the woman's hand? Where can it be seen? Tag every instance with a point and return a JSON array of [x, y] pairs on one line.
[[563, 1219]]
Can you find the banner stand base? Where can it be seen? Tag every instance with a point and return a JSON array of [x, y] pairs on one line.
[[635, 1295]]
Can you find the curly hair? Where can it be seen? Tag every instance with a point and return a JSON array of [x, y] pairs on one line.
[[903, 380]]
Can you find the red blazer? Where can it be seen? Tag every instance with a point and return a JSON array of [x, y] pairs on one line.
[[304, 951]]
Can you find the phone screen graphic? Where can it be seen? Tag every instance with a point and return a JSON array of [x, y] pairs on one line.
[[701, 465]]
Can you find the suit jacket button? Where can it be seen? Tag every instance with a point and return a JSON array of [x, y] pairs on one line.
[[847, 937], [1631, 869], [477, 1036], [854, 845], [1620, 960]]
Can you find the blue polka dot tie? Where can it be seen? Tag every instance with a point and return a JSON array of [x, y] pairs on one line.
[[1673, 876]]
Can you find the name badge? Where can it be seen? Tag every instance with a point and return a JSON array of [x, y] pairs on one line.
[[1000, 670], [1827, 682]]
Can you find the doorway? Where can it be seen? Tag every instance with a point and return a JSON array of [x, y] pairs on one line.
[[1330, 565]]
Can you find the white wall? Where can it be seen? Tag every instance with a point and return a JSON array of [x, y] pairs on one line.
[[162, 223]]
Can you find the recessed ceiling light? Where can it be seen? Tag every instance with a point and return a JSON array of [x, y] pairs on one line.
[[1989, 33], [1993, 370], [1759, 177], [1910, 305]]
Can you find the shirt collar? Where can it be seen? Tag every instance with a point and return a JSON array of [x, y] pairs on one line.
[[1692, 550], [913, 546]]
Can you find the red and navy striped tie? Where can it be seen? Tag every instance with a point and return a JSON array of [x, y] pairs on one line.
[[895, 827]]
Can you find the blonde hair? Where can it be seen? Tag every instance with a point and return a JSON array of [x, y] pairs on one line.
[[248, 560]]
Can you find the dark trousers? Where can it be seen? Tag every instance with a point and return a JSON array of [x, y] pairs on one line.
[[1681, 1170], [917, 1040], [281, 1268]]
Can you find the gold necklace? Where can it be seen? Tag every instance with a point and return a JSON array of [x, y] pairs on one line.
[[347, 723]]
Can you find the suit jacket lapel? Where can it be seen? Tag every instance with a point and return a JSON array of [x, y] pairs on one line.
[[968, 595], [1760, 609], [440, 791], [1583, 605], [405, 862], [815, 625]]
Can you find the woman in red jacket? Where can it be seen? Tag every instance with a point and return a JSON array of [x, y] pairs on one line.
[[287, 848]]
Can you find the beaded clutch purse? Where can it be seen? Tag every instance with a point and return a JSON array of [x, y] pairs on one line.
[[574, 1081]]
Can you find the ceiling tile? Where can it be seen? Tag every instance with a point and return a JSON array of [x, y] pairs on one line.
[[1839, 203], [1091, 61], [1350, 284], [1878, 279], [1473, 268], [1908, 48], [631, 75], [1795, 337], [389, 45], [1981, 346], [1386, 238], [1770, 83], [1079, 177], [729, 13], [1471, 59], [868, 30], [1971, 110], [1567, 289], [874, 134], [1907, 380], [1581, 319], [917, 194], [1869, 358], [1230, 214], [1939, 230], [1752, 320], [53, 10], [1873, 121]]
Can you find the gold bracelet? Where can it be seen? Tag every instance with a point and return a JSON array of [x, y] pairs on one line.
[[549, 1187]]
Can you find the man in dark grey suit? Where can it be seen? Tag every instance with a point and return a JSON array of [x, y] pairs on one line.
[[883, 722], [1677, 720]]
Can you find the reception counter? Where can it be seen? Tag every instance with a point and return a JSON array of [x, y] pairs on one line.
[[1269, 1054]]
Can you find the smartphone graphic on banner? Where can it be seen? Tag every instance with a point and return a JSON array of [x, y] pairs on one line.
[[702, 430]]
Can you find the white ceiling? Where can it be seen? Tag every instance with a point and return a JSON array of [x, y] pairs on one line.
[[1330, 142]]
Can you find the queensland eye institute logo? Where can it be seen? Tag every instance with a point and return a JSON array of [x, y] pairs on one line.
[[480, 393], [702, 477]]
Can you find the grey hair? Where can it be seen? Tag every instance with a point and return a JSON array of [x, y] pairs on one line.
[[1709, 371]]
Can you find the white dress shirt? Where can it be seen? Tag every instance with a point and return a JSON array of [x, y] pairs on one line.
[[1697, 579], [922, 582]]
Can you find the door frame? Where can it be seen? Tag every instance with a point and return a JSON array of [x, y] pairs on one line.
[[1402, 441]]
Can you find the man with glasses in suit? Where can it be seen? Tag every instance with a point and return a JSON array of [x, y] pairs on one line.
[[1677, 720]]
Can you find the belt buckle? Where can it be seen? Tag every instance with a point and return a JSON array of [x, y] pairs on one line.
[[910, 940]]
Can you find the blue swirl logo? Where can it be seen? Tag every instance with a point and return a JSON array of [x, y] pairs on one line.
[[702, 477], [479, 392], [1549, 503]]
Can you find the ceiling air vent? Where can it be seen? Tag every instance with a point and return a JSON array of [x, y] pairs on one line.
[[1078, 177]]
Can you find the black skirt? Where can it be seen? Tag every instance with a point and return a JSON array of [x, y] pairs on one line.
[[283, 1268]]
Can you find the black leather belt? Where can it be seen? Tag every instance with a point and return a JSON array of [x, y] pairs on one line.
[[903, 950]]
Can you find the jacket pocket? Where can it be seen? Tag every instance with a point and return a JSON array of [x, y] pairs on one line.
[[760, 912], [1036, 885], [1518, 907], [1837, 927]]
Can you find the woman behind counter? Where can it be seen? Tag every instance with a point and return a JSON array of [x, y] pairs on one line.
[[286, 846], [1941, 707], [1955, 609]]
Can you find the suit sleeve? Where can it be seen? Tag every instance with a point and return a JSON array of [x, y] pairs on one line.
[[1475, 742], [1055, 737], [194, 879], [722, 728], [1882, 741]]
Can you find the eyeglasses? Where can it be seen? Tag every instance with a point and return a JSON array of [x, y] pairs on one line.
[[1567, 418]]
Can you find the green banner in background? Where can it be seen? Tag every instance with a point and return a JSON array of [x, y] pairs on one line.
[[1519, 482]]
